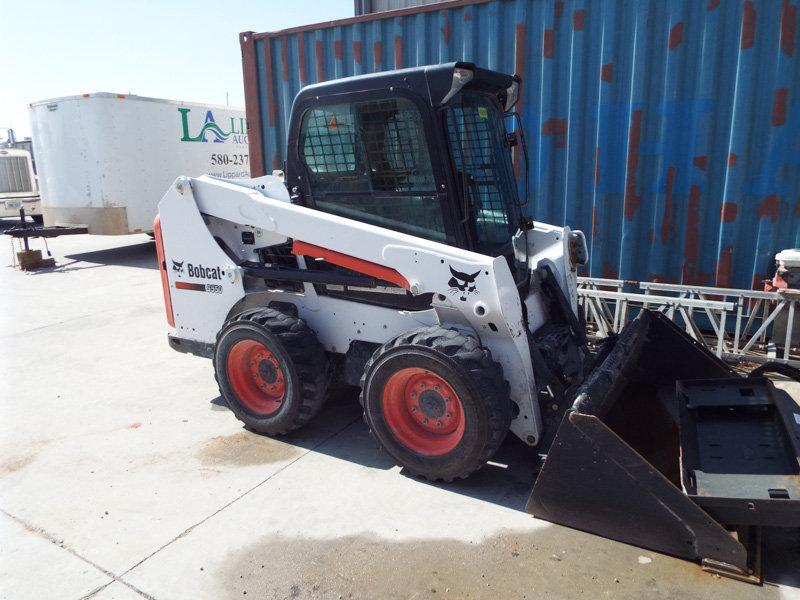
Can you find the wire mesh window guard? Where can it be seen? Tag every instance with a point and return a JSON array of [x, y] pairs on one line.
[[369, 161], [476, 127]]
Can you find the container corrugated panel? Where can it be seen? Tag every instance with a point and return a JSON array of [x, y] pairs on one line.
[[669, 131]]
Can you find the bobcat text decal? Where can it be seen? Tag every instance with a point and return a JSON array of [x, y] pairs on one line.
[[199, 272]]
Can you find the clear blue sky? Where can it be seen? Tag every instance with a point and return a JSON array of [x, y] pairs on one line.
[[178, 49]]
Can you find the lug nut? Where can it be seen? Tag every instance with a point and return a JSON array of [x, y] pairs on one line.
[[413, 394], [424, 421], [413, 409], [436, 387], [448, 415], [438, 423]]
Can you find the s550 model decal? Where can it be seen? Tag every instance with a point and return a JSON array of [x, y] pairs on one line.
[[213, 288]]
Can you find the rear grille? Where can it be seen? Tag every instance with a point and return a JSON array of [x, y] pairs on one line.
[[15, 175]]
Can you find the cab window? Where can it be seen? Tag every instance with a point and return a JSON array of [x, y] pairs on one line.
[[475, 130], [369, 161]]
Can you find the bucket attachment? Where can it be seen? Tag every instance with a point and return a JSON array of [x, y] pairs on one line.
[[667, 448]]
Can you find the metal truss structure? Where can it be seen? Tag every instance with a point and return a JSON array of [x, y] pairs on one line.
[[737, 325]]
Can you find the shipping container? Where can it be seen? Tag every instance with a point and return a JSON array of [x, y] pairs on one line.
[[104, 160], [669, 131], [365, 7]]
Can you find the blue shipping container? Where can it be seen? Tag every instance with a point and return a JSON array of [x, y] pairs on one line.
[[669, 131]]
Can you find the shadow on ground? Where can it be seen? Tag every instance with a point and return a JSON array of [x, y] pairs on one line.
[[505, 481], [141, 255]]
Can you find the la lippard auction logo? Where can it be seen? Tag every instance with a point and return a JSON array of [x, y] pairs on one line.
[[235, 130]]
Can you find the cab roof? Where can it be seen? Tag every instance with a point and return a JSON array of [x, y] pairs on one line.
[[432, 81]]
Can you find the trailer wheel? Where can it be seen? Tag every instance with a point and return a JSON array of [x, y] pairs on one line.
[[271, 370], [436, 402]]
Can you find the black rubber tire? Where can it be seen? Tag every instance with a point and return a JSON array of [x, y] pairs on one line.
[[469, 369], [302, 358]]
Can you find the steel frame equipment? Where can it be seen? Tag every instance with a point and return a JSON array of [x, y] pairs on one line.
[[737, 325]]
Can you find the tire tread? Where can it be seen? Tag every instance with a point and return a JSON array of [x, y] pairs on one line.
[[485, 374], [307, 355]]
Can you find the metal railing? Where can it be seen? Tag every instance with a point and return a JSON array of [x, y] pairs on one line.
[[737, 325]]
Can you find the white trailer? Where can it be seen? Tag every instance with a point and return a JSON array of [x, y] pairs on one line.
[[18, 187], [105, 159]]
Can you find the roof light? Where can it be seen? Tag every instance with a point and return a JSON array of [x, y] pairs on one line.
[[461, 77], [512, 95]]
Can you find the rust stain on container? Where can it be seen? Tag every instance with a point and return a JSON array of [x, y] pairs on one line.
[[724, 266], [668, 220], [769, 208], [779, 106], [729, 212], [676, 35], [788, 26], [632, 200], [548, 43], [748, 25], [579, 19], [691, 246]]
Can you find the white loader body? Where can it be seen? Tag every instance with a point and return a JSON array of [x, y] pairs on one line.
[[206, 285]]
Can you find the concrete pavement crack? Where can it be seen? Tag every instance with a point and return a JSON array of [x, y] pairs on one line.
[[41, 532], [188, 530]]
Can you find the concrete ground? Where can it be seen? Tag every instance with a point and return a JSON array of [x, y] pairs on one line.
[[123, 475]]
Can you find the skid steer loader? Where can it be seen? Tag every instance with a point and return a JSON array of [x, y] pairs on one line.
[[393, 254]]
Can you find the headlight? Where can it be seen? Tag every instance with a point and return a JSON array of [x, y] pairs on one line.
[[578, 252]]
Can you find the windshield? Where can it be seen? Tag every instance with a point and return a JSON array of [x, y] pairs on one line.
[[476, 132]]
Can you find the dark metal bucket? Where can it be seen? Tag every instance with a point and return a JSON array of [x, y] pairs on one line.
[[615, 466]]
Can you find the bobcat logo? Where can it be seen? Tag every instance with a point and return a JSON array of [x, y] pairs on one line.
[[462, 283], [177, 267]]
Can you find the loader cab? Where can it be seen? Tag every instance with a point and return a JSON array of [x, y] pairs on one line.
[[423, 151]]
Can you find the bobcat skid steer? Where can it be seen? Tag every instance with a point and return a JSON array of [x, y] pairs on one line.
[[393, 255]]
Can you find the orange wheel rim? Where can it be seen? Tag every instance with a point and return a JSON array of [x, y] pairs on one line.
[[256, 377], [423, 411]]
